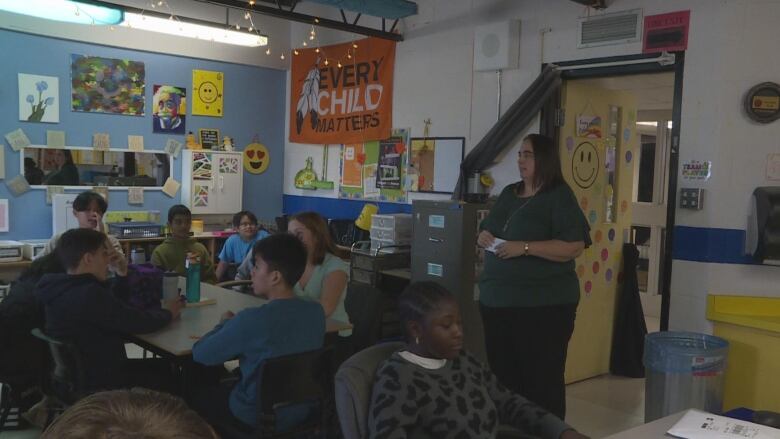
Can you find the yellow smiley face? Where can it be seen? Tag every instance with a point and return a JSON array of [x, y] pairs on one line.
[[256, 158], [585, 165], [208, 92]]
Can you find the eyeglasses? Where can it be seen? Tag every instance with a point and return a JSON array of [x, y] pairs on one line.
[[247, 225]]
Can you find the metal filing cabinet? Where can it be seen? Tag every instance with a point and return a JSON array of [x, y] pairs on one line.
[[444, 244]]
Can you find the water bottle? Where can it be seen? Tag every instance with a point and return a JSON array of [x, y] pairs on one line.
[[138, 256], [170, 285], [192, 265]]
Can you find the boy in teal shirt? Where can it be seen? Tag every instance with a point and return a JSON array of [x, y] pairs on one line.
[[284, 325], [238, 246], [172, 253]]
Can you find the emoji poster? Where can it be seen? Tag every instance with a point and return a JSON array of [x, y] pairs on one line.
[[169, 109], [107, 85], [207, 93], [256, 158]]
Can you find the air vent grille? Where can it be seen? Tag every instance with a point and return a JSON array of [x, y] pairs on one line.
[[602, 30]]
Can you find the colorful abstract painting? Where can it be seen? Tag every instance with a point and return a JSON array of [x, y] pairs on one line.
[[201, 166], [169, 109], [39, 98], [200, 197], [107, 85], [228, 165]]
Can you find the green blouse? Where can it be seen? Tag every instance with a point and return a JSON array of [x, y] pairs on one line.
[[530, 281], [313, 290]]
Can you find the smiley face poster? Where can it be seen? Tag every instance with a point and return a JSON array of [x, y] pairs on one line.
[[207, 93]]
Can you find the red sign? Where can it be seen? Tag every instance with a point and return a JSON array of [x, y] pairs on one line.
[[666, 32], [351, 102]]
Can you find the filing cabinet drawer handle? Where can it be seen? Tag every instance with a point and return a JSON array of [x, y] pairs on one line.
[[435, 239]]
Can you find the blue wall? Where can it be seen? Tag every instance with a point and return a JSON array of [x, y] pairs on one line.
[[254, 104]]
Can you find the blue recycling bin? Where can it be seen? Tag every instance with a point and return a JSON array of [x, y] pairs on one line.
[[683, 370]]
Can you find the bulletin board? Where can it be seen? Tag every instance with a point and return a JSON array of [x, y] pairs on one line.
[[375, 170], [435, 162]]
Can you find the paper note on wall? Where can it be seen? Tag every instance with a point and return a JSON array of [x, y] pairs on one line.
[[53, 190], [4, 216], [18, 185], [101, 141], [17, 139], [173, 147], [55, 139], [369, 181], [135, 195], [135, 143], [2, 162], [171, 187]]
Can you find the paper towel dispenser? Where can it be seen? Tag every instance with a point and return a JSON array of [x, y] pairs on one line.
[[763, 232]]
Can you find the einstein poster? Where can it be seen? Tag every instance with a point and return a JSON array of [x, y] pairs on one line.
[[343, 93]]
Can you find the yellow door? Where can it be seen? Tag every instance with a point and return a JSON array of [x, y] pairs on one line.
[[598, 146]]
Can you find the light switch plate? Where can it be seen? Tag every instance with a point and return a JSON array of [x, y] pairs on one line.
[[691, 198]]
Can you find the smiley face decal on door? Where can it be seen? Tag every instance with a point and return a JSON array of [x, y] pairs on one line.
[[256, 158], [585, 165]]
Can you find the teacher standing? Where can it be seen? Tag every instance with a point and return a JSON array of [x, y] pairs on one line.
[[529, 290]]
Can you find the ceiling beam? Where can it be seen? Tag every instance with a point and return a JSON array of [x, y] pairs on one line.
[[308, 19]]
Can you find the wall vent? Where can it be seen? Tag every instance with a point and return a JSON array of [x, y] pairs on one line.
[[617, 28]]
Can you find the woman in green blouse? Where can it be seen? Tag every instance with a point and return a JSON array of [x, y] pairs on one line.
[[326, 276], [529, 289]]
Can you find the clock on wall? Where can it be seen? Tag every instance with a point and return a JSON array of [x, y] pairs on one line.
[[762, 102]]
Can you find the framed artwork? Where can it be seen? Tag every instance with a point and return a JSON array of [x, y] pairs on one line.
[[169, 109], [39, 98], [107, 85]]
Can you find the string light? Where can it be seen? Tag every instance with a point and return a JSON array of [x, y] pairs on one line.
[[296, 52], [251, 2], [281, 56], [326, 61], [311, 37], [251, 28], [354, 45], [305, 44], [268, 51], [339, 64], [349, 55], [246, 16], [238, 27]]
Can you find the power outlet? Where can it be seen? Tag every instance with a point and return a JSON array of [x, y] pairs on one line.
[[691, 198]]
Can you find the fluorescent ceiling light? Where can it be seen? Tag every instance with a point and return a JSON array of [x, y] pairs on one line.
[[655, 124], [180, 28], [64, 10]]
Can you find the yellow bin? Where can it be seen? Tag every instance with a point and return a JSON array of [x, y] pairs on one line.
[[752, 327]]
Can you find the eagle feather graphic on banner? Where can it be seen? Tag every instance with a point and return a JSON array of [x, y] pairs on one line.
[[309, 101]]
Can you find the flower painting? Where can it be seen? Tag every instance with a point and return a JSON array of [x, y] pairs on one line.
[[39, 98], [107, 85]]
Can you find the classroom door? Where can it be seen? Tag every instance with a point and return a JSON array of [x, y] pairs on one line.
[[597, 146]]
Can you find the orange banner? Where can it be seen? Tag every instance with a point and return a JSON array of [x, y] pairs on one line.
[[348, 104]]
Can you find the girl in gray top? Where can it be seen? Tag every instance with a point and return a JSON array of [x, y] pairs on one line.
[[435, 389]]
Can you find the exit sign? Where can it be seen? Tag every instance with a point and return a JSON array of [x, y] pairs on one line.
[[666, 32]]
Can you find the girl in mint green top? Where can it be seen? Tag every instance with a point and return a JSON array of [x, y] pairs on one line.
[[326, 276]]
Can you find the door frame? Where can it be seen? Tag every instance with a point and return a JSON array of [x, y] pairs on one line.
[[548, 127]]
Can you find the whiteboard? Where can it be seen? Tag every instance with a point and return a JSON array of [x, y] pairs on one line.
[[62, 217]]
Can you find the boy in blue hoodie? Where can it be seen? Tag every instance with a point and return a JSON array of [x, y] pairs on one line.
[[284, 325], [83, 308]]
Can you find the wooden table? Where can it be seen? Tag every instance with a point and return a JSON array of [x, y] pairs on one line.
[[653, 430], [177, 338]]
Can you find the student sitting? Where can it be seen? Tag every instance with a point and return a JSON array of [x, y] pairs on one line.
[[172, 253], [433, 388], [238, 246], [82, 308], [88, 208], [129, 414], [282, 326]]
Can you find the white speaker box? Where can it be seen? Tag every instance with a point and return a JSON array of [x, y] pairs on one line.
[[497, 46]]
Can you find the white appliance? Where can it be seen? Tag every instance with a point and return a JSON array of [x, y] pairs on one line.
[[212, 181]]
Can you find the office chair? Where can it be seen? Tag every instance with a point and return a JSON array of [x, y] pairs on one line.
[[66, 382], [305, 379]]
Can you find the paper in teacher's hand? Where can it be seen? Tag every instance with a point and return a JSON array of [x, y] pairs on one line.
[[17, 139], [135, 143], [496, 243], [55, 139], [51, 191], [135, 195], [171, 187], [173, 147], [18, 185]]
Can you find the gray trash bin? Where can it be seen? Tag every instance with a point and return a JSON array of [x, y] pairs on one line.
[[683, 370]]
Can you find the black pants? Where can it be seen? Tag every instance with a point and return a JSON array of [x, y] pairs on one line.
[[526, 349]]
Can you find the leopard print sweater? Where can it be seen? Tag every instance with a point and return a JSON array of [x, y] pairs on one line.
[[462, 400]]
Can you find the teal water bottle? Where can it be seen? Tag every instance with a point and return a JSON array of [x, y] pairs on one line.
[[192, 264]]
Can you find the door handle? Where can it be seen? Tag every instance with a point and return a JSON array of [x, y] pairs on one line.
[[437, 240], [221, 182]]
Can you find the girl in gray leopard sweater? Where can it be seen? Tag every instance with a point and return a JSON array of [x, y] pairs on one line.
[[435, 389]]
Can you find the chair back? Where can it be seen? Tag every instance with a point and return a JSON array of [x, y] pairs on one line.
[[365, 305], [300, 378], [353, 385], [67, 377]]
